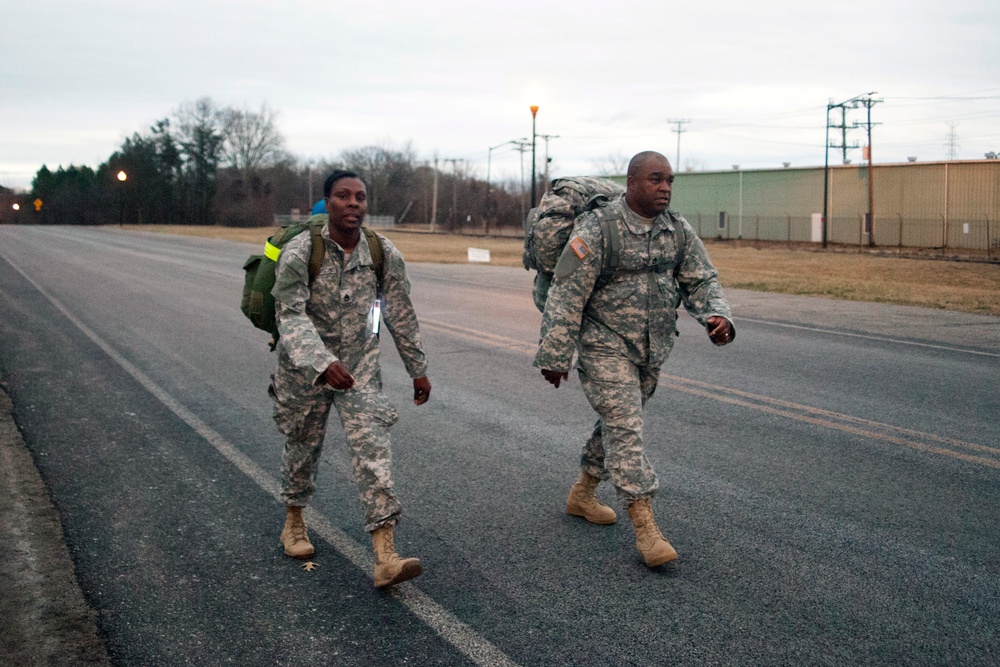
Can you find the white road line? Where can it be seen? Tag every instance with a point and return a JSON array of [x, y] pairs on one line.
[[883, 339], [476, 648]]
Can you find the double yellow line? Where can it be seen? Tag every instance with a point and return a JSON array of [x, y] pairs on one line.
[[866, 428]]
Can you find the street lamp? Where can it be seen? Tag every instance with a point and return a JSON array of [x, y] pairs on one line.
[[489, 162], [534, 185], [122, 176]]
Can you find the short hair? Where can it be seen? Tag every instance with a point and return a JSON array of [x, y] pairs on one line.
[[639, 159], [337, 175]]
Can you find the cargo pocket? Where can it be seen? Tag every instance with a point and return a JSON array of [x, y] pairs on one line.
[[382, 410]]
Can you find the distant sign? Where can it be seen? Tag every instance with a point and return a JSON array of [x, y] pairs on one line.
[[479, 255], [38, 204]]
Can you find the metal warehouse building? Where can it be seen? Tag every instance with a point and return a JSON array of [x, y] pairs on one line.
[[954, 204]]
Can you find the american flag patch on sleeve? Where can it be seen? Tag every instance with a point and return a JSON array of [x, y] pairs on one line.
[[579, 248]]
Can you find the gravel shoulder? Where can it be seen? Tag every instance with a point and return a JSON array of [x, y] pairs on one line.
[[44, 619]]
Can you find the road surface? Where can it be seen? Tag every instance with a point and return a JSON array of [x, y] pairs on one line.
[[830, 479]]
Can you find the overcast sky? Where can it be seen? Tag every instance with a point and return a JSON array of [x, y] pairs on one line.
[[454, 78]]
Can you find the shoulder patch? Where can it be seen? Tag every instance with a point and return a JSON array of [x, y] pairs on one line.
[[579, 248]]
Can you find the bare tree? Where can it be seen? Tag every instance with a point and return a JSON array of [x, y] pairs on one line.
[[611, 164], [388, 172], [251, 139]]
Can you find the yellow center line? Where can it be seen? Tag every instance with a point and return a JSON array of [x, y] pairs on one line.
[[913, 444], [836, 415], [482, 337], [804, 413]]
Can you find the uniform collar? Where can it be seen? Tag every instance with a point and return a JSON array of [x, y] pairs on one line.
[[661, 223], [361, 256]]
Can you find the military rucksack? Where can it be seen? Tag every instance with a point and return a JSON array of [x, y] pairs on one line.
[[257, 303], [547, 228]]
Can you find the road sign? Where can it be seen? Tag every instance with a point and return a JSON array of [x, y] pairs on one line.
[[38, 204]]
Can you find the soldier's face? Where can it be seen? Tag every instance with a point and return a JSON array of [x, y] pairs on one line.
[[347, 205], [650, 189]]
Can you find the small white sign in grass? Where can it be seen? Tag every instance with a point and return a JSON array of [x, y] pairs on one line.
[[479, 255]]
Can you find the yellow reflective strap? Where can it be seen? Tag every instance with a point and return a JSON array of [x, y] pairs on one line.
[[271, 251]]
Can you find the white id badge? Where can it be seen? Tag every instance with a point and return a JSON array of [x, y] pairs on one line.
[[376, 315]]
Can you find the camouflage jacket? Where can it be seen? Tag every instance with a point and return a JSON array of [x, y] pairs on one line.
[[635, 314], [333, 321]]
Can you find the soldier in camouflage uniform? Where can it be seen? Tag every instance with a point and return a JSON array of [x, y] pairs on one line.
[[328, 356], [623, 332]]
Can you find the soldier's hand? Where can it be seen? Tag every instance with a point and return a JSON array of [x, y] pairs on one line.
[[421, 390], [720, 330], [338, 377], [555, 377]]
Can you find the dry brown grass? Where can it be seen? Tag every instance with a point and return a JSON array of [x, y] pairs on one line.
[[962, 286]]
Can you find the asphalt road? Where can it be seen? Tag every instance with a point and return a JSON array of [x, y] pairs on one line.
[[830, 479]]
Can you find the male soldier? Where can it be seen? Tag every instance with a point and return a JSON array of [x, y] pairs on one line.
[[328, 355], [623, 332]]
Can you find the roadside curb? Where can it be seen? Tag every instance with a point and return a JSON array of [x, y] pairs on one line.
[[44, 619]]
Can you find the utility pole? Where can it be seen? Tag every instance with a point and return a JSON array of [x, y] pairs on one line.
[[547, 137], [434, 198], [852, 103], [522, 147], [311, 202], [454, 188], [843, 127], [680, 130], [868, 103]]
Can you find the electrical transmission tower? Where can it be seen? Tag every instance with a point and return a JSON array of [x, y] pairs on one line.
[[952, 142]]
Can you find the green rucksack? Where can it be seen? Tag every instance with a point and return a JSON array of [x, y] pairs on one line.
[[257, 303]]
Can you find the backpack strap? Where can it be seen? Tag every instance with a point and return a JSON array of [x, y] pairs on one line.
[[378, 256], [611, 235], [680, 240], [318, 251]]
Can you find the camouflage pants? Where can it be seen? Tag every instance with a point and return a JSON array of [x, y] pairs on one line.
[[618, 390], [301, 410]]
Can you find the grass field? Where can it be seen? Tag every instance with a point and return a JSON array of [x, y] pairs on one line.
[[962, 286]]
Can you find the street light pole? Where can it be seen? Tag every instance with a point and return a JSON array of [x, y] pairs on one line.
[[489, 192], [534, 184], [122, 176]]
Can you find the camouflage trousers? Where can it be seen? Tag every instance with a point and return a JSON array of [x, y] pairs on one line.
[[618, 390], [301, 410]]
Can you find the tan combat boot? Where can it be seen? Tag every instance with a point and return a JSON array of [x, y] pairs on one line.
[[390, 568], [294, 537], [652, 546], [583, 502]]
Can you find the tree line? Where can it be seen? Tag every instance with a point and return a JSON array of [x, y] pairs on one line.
[[211, 165]]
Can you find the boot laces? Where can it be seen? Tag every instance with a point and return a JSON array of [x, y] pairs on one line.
[[297, 531], [648, 526]]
